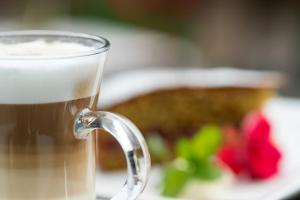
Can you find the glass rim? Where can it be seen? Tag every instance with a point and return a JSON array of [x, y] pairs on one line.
[[97, 50]]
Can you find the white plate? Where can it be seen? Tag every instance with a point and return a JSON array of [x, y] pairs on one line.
[[284, 114]]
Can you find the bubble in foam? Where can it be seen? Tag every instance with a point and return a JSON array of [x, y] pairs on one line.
[[42, 48]]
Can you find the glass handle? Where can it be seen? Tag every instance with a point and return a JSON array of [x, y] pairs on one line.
[[131, 141]]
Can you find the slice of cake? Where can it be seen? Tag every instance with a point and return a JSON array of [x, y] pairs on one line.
[[174, 103]]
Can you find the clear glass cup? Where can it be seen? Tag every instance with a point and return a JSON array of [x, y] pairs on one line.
[[49, 88]]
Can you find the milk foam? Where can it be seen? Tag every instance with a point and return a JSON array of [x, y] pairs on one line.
[[47, 78], [42, 48]]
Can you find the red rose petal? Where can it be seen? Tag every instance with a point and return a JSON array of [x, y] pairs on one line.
[[256, 127], [263, 160], [252, 150], [231, 156]]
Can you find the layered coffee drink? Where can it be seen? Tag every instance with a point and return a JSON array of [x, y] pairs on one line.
[[40, 94]]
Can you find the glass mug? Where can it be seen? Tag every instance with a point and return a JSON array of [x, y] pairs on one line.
[[49, 84]]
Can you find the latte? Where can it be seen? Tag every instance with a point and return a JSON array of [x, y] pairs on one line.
[[39, 155]]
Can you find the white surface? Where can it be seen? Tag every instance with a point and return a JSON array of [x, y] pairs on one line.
[[125, 85], [284, 115], [46, 80]]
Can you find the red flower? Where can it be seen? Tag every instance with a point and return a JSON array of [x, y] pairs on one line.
[[263, 160], [231, 156], [256, 128], [254, 154]]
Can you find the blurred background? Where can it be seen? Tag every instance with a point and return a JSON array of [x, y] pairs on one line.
[[247, 34], [200, 33]]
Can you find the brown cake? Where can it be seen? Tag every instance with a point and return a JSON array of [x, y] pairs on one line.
[[175, 110]]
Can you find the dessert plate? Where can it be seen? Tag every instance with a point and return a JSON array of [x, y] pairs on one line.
[[284, 114]]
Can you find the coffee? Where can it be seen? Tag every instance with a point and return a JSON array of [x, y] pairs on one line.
[[38, 151], [39, 155]]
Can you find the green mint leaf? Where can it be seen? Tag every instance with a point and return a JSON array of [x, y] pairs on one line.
[[184, 149], [195, 160], [175, 179], [206, 141], [207, 170]]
